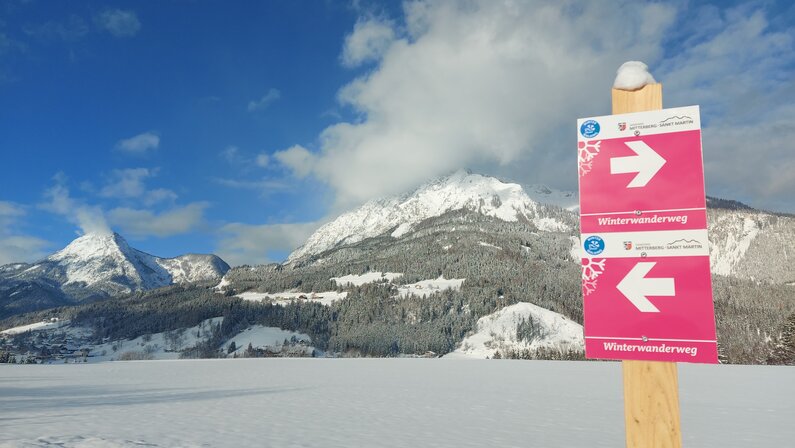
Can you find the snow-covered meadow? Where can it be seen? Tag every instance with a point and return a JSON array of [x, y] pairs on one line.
[[375, 402]]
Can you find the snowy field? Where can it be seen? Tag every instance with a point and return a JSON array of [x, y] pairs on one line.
[[375, 403], [428, 287], [284, 298]]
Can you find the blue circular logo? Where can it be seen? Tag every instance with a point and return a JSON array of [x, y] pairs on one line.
[[594, 245], [589, 129]]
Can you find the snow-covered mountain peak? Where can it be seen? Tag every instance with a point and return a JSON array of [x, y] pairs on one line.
[[104, 264], [105, 259], [93, 245], [460, 190]]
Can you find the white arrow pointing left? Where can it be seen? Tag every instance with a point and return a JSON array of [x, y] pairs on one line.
[[646, 163], [635, 287]]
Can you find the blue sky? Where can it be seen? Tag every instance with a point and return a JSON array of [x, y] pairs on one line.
[[240, 127]]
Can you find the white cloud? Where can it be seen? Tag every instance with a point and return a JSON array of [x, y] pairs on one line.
[[21, 249], [740, 71], [130, 184], [265, 185], [496, 86], [158, 195], [10, 210], [479, 84], [139, 144], [753, 162], [90, 219], [266, 100], [263, 160], [298, 159], [144, 223], [231, 154], [15, 247], [118, 22], [126, 183], [368, 41], [138, 222], [249, 244], [71, 29]]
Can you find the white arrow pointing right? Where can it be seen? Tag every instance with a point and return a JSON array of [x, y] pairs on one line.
[[646, 163], [635, 287]]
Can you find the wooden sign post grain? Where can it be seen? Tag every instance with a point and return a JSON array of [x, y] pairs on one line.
[[651, 388]]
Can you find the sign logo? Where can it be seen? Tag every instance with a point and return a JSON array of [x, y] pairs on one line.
[[589, 129], [627, 245], [594, 245], [622, 126]]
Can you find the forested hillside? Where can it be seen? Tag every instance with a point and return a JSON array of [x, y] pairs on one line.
[[501, 263]]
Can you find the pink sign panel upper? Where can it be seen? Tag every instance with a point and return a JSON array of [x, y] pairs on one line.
[[647, 165]]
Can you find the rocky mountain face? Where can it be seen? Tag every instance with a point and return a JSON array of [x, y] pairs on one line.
[[744, 242], [752, 244], [96, 266], [398, 215]]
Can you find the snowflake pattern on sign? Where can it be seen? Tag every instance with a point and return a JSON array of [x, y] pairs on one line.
[[591, 269], [587, 151]]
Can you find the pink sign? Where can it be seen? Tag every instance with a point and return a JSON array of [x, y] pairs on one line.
[[646, 272]]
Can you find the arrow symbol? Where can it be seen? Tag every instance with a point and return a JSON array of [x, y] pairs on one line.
[[635, 287], [646, 163]]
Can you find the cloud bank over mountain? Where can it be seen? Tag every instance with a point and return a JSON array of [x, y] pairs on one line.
[[497, 86]]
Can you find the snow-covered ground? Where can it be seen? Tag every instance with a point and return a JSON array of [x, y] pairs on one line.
[[375, 403], [427, 287], [260, 336], [222, 284], [285, 297], [497, 331], [167, 345], [154, 346], [370, 277], [485, 244], [38, 326]]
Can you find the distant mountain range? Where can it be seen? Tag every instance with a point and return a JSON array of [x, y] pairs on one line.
[[97, 266], [744, 242], [512, 252]]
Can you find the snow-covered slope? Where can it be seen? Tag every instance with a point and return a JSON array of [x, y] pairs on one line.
[[191, 268], [461, 190], [752, 244], [164, 345], [96, 265], [546, 195], [107, 261], [498, 332]]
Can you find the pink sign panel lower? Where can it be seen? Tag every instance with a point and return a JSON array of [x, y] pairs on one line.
[[650, 308]]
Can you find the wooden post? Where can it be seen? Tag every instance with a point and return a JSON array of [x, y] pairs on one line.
[[651, 388]]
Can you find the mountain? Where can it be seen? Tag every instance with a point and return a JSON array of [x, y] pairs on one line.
[[546, 195], [397, 215], [96, 266], [518, 328], [494, 273]]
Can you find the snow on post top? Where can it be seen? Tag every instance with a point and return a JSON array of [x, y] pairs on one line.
[[633, 75]]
